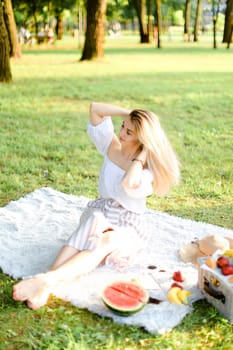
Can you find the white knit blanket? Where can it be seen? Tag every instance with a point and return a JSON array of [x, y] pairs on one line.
[[34, 228]]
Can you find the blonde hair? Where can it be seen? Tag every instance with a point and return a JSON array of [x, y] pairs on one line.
[[161, 158]]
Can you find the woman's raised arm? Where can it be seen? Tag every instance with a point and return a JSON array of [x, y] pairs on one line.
[[100, 110]]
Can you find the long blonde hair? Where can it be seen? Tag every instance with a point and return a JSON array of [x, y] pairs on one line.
[[161, 158]]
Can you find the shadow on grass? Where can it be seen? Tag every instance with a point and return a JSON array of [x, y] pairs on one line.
[[169, 50], [140, 49], [181, 83], [47, 51]]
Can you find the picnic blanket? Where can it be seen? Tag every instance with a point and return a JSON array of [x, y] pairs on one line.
[[35, 227]]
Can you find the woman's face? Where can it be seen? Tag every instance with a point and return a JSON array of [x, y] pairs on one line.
[[127, 133]]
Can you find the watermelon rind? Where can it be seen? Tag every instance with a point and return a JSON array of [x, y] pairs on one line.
[[124, 312], [132, 296]]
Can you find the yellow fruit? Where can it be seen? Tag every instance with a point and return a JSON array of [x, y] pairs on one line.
[[183, 295], [211, 263], [230, 279], [172, 295], [229, 253]]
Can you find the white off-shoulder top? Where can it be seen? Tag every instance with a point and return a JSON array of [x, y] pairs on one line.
[[111, 174]]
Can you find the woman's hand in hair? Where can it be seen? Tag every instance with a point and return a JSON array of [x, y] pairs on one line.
[[133, 175]]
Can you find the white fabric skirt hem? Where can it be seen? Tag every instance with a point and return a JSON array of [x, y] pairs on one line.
[[90, 231]]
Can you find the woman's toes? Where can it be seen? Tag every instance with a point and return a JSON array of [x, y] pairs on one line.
[[38, 302], [17, 294]]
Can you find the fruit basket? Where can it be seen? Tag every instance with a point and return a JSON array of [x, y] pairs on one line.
[[215, 279]]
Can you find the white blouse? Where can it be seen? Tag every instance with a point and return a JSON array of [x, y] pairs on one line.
[[111, 174]]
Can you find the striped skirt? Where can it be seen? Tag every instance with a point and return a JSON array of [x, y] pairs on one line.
[[102, 214]]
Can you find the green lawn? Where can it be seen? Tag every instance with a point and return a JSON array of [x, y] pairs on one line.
[[43, 116]]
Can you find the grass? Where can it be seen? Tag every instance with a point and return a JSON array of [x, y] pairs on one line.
[[43, 116]]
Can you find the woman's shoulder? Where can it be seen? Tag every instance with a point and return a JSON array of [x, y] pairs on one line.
[[101, 134]]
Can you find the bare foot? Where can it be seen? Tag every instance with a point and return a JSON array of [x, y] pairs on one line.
[[34, 290], [39, 301]]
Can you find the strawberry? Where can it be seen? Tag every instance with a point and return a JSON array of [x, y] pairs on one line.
[[177, 276], [222, 261], [227, 270], [175, 284]]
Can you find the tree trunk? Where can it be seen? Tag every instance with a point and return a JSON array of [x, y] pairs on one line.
[[59, 27], [5, 70], [227, 35], [230, 37], [197, 20], [15, 50], [78, 33], [159, 22], [140, 7], [215, 13], [33, 9], [214, 33], [187, 20], [94, 36], [149, 27]]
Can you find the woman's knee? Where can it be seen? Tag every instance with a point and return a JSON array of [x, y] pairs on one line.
[[110, 240]]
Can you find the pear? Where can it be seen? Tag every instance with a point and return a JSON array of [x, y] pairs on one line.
[[229, 253], [183, 295], [172, 295]]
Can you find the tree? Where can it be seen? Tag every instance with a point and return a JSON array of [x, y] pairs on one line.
[[58, 6], [15, 50], [59, 25], [215, 13], [94, 36], [187, 20], [197, 20], [120, 11], [5, 70], [228, 26], [31, 9], [141, 9], [159, 22], [41, 10]]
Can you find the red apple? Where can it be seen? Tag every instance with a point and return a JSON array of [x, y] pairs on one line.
[[177, 276], [222, 261], [227, 270]]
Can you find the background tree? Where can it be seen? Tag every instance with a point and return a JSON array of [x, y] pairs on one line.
[[15, 50], [41, 12], [5, 70], [79, 30], [120, 11], [58, 7], [159, 22], [32, 9], [129, 13], [215, 13], [94, 36], [141, 12], [197, 20], [228, 26], [187, 20]]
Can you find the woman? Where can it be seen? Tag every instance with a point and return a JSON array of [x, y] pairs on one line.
[[137, 163]]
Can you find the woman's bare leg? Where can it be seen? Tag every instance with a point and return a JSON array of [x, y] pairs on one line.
[[37, 284], [37, 289], [64, 255]]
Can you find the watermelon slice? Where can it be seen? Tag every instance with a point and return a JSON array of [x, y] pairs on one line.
[[125, 298]]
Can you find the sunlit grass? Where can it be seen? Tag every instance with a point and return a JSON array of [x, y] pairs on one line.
[[188, 86], [43, 116]]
